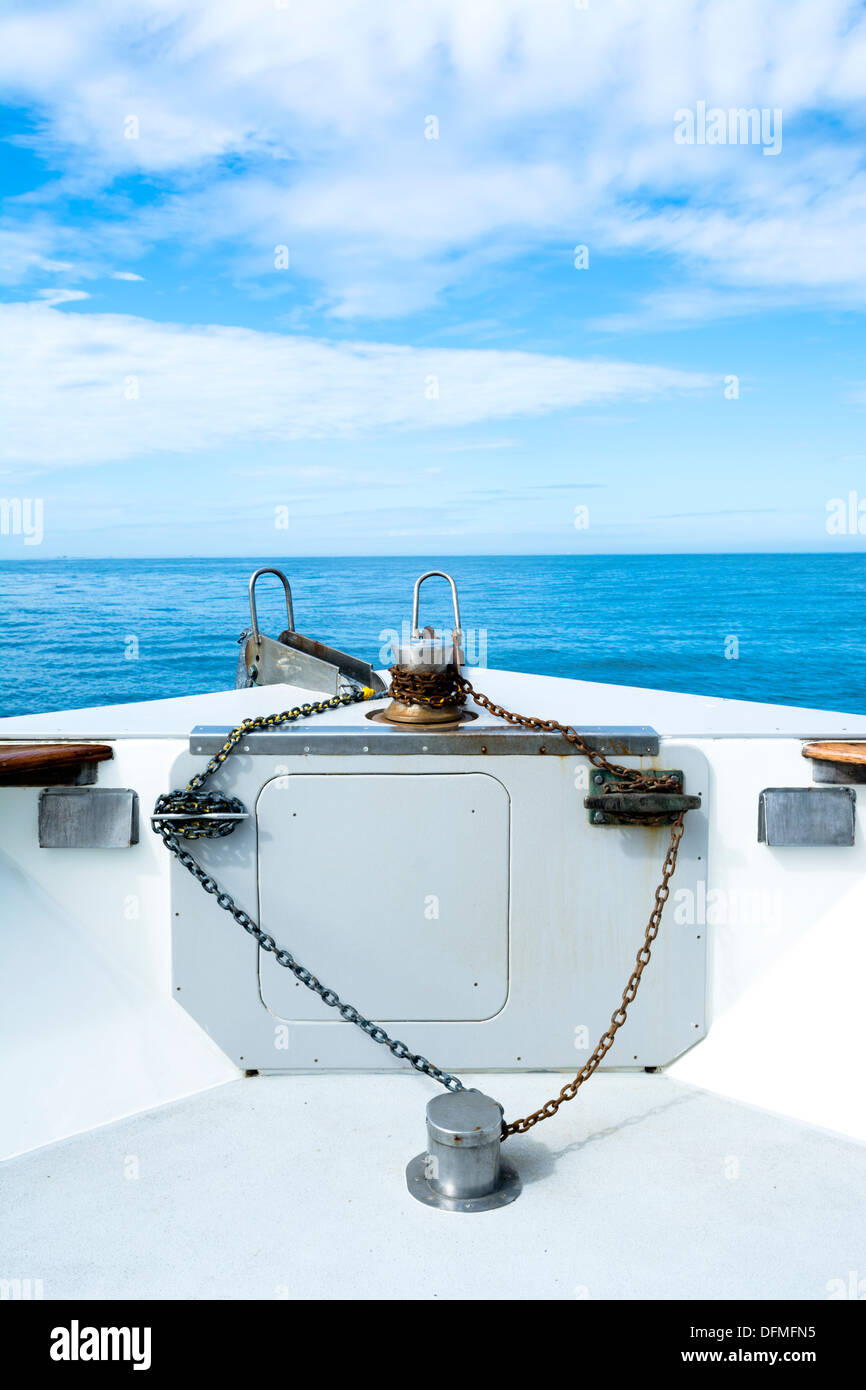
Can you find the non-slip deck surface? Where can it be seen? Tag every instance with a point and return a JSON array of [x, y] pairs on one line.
[[292, 1187]]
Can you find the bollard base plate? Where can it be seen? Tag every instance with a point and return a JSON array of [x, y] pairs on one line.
[[507, 1191]]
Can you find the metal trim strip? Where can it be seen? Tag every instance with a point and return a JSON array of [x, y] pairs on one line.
[[353, 739]]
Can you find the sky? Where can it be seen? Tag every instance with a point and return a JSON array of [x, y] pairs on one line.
[[402, 277]]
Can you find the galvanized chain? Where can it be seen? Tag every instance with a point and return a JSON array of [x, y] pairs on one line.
[[193, 800], [286, 959], [271, 721]]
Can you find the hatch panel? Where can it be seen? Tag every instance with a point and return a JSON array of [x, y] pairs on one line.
[[392, 888]]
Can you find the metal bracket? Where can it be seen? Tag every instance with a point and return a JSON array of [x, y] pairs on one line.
[[800, 817], [88, 818], [626, 807]]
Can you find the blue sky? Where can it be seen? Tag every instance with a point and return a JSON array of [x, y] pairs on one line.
[[292, 279]]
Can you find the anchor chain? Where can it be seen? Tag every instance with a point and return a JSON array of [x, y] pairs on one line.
[[638, 781], [618, 1017], [431, 688], [449, 686]]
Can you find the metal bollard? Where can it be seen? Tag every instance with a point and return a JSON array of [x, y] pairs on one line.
[[462, 1169]]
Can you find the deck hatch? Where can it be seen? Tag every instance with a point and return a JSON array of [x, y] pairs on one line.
[[550, 912], [396, 883]]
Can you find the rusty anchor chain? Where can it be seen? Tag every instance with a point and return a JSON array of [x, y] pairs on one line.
[[452, 687]]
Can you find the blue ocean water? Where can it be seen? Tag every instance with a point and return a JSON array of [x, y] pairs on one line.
[[92, 632]]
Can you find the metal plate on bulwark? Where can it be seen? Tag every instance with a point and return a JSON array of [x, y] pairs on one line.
[[88, 818], [801, 817], [496, 740]]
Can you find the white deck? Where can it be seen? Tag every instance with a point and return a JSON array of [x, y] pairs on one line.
[[293, 1187]]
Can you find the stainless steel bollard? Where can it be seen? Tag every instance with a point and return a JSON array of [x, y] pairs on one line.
[[462, 1169]]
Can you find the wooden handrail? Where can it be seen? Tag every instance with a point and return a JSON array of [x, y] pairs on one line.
[[18, 758], [836, 752]]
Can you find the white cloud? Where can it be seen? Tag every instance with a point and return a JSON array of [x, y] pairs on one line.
[[22, 254], [806, 238], [125, 275], [59, 296], [554, 122], [92, 388]]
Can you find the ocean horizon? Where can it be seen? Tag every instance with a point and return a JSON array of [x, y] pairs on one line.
[[776, 627]]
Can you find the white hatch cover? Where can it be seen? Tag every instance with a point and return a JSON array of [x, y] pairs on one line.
[[394, 888]]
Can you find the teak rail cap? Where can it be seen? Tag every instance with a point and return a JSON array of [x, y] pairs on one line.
[[17, 758], [836, 752]]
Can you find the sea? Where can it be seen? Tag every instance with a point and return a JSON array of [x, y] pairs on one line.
[[788, 629]]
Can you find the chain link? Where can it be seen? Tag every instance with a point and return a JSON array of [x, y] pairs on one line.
[[271, 721], [286, 959], [618, 1017], [636, 780], [431, 688]]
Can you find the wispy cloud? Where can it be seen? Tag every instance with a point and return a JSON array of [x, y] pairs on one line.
[[89, 388], [60, 296], [307, 126], [328, 303]]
